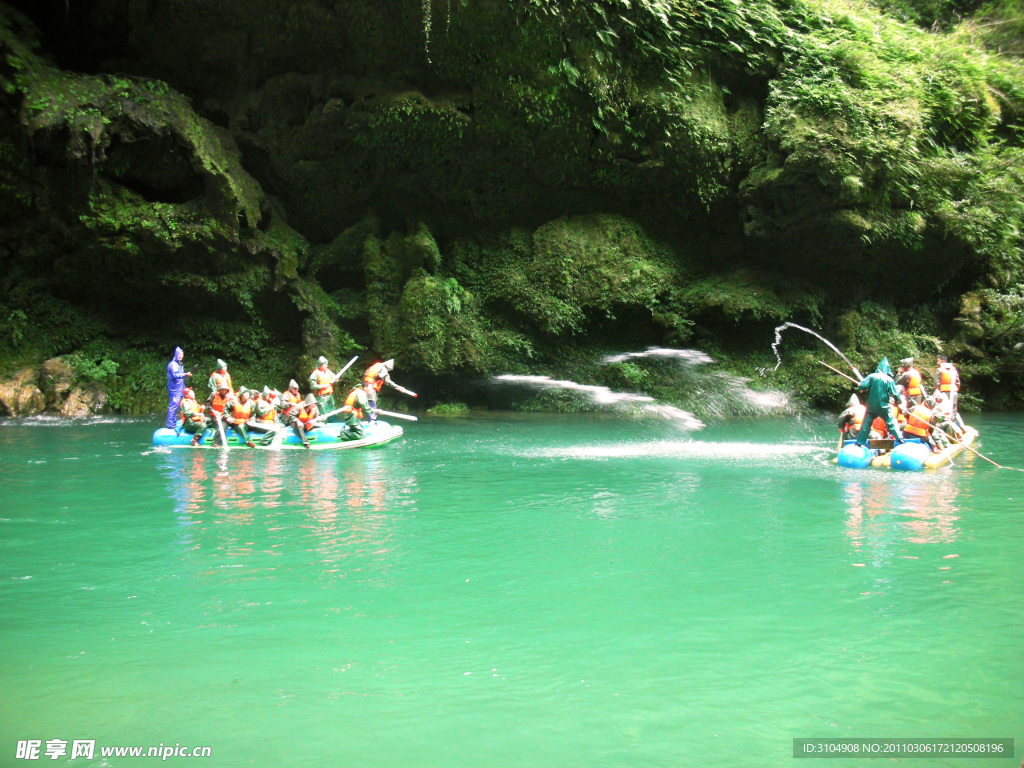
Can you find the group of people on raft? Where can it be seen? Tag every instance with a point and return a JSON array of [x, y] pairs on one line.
[[900, 406], [268, 411]]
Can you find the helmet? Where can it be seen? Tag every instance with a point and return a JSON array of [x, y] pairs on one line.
[[293, 384], [390, 364], [321, 360], [853, 401], [221, 364], [907, 361], [187, 392], [310, 400], [930, 402]]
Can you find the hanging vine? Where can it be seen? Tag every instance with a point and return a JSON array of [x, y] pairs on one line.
[[426, 28]]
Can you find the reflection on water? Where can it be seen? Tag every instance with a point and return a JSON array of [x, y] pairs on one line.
[[883, 508], [259, 505]]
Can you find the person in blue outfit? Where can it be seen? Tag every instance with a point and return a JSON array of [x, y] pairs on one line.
[[880, 388], [176, 375]]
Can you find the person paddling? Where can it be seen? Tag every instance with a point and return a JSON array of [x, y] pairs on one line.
[[374, 377], [301, 416], [850, 420], [237, 412], [355, 409]]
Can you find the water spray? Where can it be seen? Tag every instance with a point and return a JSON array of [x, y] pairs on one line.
[[687, 356], [605, 396], [778, 340]]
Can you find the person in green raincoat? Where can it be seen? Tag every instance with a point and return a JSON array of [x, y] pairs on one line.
[[880, 389]]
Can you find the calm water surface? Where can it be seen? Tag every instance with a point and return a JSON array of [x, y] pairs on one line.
[[506, 591]]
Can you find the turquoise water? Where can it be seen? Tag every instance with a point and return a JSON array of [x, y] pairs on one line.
[[506, 591]]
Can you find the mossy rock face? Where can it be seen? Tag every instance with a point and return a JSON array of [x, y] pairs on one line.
[[496, 186], [148, 212]]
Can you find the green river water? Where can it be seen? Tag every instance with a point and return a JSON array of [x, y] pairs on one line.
[[506, 591]]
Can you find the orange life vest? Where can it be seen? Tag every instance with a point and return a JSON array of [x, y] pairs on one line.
[[218, 401], [859, 412], [919, 422], [221, 380], [189, 408], [291, 399], [306, 415], [370, 377], [321, 381], [241, 411], [948, 378], [913, 382], [352, 404], [878, 424]]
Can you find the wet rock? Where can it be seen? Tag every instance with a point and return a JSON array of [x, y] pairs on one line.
[[21, 395], [84, 401], [56, 377]]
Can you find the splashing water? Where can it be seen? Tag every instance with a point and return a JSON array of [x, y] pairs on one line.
[[778, 340], [688, 356], [720, 394], [605, 396]]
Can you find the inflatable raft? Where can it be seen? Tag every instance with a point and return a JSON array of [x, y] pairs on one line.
[[329, 436], [911, 456]]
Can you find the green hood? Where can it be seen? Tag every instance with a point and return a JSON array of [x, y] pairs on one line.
[[883, 367]]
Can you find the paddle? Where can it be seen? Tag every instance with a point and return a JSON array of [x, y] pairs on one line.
[[338, 374], [220, 428], [319, 420], [976, 453], [394, 415], [839, 372]]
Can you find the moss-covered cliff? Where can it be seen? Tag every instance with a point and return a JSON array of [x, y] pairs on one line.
[[488, 186]]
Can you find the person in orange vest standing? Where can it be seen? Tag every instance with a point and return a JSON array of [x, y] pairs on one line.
[[220, 378], [910, 378], [321, 382], [947, 379], [374, 377]]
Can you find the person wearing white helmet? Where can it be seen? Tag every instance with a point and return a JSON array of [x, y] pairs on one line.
[[321, 383], [851, 419], [376, 376]]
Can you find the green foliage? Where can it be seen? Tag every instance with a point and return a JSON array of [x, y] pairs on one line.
[[449, 409], [15, 328], [1002, 318], [874, 331], [92, 367]]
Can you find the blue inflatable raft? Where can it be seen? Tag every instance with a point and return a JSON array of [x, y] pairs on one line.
[[330, 436], [911, 456]]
